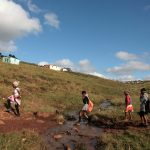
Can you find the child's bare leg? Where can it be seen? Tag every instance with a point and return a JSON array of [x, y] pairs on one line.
[[126, 116], [80, 115], [142, 120], [85, 114], [130, 115], [145, 119]]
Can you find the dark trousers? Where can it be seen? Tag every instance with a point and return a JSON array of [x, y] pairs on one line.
[[16, 107]]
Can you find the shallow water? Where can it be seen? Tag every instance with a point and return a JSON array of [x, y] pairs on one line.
[[106, 104], [73, 135]]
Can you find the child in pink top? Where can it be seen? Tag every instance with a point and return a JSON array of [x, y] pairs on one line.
[[128, 106]]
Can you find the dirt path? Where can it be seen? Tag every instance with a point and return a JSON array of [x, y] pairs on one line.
[[39, 123]]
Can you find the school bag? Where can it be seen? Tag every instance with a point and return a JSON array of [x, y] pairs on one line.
[[147, 106], [90, 106]]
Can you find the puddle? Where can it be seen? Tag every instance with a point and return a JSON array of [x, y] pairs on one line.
[[73, 135], [106, 104]]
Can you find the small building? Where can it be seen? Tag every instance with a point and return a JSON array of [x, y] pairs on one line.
[[53, 67], [11, 60], [66, 69]]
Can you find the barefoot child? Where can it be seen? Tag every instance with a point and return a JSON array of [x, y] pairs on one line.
[[128, 106], [15, 98]]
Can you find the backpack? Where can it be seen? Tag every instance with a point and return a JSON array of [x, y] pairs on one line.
[[147, 106], [90, 106]]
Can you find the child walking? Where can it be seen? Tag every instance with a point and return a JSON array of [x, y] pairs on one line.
[[143, 101], [128, 106], [15, 98], [84, 110]]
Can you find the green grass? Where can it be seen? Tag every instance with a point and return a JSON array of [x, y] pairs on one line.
[[127, 140], [46, 90], [26, 140]]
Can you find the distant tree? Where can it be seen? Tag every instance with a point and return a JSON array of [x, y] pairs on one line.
[[69, 69], [10, 55]]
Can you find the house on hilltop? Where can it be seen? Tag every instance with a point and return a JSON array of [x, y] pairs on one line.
[[53, 67], [10, 59], [66, 69]]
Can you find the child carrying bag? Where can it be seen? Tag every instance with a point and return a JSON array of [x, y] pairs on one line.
[[90, 106]]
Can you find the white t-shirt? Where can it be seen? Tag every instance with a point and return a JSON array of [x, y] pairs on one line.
[[16, 92]]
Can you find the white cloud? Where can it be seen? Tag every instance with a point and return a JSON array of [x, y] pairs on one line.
[[8, 46], [86, 66], [126, 56], [15, 22], [129, 67], [42, 63], [52, 20], [98, 75], [65, 63], [126, 78], [32, 7]]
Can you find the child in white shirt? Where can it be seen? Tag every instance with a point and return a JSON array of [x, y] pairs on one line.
[[15, 98]]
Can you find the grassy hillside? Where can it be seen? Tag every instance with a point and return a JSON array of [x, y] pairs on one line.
[[44, 89]]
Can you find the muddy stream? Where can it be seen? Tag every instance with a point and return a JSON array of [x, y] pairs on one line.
[[72, 135]]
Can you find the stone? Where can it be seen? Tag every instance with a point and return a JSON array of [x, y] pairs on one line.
[[57, 136], [2, 122], [68, 147], [40, 121], [24, 140], [60, 119], [75, 129]]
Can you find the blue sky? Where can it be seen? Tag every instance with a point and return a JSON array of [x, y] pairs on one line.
[[101, 37]]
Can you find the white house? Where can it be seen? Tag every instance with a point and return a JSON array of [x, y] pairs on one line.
[[11, 60], [53, 67], [66, 69]]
